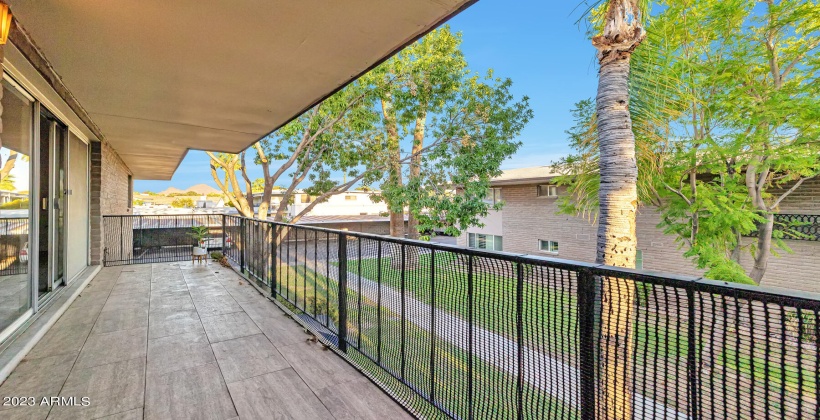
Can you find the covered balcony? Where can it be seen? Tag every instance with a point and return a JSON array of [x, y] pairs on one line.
[[187, 341], [105, 314], [305, 322]]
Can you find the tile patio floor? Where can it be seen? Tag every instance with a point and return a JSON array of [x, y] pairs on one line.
[[183, 341]]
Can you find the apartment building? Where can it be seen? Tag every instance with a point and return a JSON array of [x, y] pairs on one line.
[[530, 223], [350, 203]]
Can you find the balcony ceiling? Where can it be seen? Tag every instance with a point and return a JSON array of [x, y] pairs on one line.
[[161, 77]]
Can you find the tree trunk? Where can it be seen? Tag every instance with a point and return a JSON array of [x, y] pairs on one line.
[[394, 154], [618, 197], [764, 248], [415, 171], [618, 200]]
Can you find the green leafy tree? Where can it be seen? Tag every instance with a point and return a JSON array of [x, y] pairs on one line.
[[725, 94], [333, 137], [461, 126], [7, 183]]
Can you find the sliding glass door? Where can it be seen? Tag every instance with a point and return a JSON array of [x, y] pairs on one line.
[[52, 198], [15, 208]]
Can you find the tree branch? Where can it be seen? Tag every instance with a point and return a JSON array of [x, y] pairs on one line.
[[789, 191]]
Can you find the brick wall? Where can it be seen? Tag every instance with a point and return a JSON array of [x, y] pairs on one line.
[[528, 218], [115, 186], [108, 194]]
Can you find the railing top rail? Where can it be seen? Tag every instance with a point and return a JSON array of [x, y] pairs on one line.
[[804, 300], [166, 215]]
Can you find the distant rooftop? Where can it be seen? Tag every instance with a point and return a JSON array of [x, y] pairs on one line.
[[311, 220], [529, 175]]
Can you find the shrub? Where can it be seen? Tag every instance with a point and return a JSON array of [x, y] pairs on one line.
[[182, 203], [20, 203]]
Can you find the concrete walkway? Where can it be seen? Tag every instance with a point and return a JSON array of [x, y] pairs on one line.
[[183, 341]]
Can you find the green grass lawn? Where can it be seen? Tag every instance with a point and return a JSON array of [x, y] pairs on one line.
[[549, 325], [548, 316], [494, 391]]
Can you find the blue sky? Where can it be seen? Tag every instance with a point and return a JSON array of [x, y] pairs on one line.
[[536, 43]]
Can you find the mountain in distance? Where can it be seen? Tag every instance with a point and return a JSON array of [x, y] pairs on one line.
[[170, 190], [201, 189]]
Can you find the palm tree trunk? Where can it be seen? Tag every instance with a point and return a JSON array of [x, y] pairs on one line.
[[618, 198]]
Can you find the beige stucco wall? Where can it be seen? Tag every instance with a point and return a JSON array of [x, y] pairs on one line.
[[528, 218]]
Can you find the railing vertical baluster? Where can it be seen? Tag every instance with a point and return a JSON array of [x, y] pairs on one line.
[[470, 339], [519, 333], [433, 325], [342, 334], [224, 235], [379, 304], [587, 342], [142, 239], [691, 357], [359, 295], [242, 245], [122, 238], [402, 338], [273, 263]]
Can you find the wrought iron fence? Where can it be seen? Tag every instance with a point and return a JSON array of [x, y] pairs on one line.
[[464, 333], [13, 246], [801, 227], [140, 239]]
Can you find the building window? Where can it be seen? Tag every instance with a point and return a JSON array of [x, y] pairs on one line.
[[548, 246], [130, 191], [482, 241], [493, 196], [639, 259], [350, 198], [547, 190]]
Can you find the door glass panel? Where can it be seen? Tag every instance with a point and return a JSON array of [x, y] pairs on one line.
[[43, 202], [15, 284], [51, 229], [58, 201]]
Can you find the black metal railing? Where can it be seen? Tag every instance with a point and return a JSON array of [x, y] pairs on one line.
[[800, 227], [14, 246], [138, 239], [465, 333]]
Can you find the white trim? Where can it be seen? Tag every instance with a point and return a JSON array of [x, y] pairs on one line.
[[8, 78], [27, 77], [549, 245]]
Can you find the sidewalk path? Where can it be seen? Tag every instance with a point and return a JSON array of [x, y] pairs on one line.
[[552, 376]]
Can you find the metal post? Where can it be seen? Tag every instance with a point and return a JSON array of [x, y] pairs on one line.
[[691, 358], [224, 236], [342, 292], [242, 245], [588, 344], [122, 237], [519, 333], [432, 325], [403, 342], [470, 339], [274, 265]]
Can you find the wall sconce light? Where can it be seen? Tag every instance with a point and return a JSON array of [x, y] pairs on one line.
[[5, 23]]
